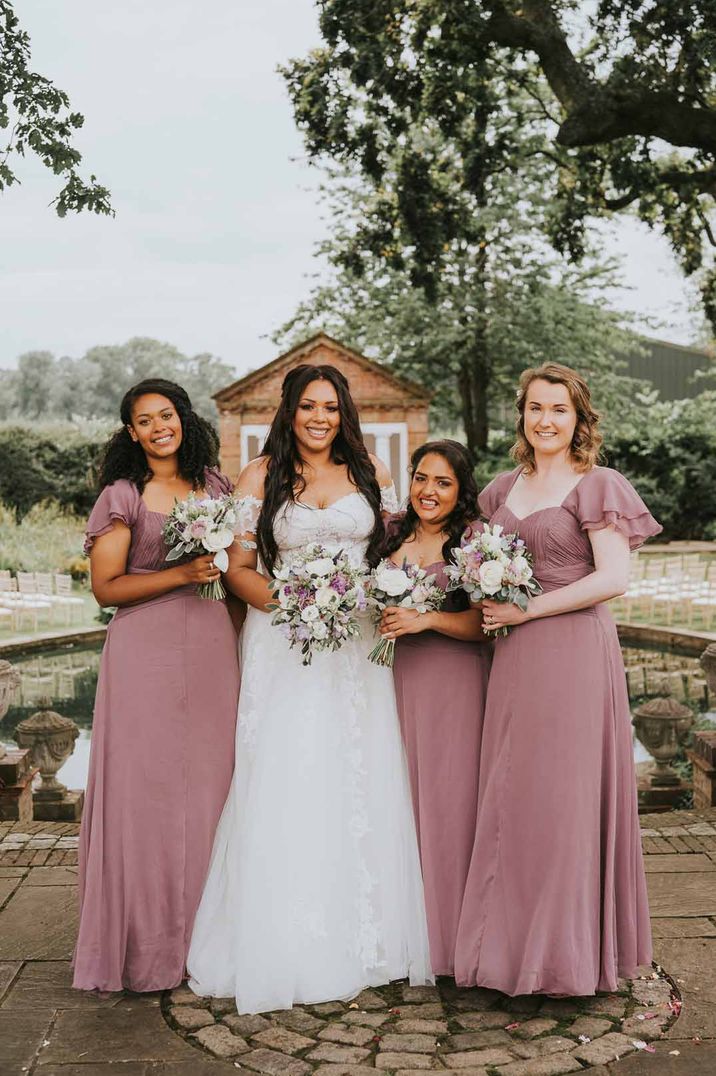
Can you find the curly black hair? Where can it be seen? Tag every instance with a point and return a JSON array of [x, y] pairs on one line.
[[463, 514], [124, 458], [284, 470]]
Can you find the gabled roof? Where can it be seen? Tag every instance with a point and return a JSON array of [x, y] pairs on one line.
[[303, 352]]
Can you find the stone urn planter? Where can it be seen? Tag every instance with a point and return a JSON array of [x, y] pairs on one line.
[[51, 740], [708, 664], [9, 681], [662, 725]]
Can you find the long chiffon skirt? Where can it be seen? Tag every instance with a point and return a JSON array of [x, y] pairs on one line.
[[556, 899], [314, 889], [440, 684], [160, 767]]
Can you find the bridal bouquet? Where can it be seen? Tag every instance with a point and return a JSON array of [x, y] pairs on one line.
[[318, 596], [203, 525], [409, 587], [494, 565]]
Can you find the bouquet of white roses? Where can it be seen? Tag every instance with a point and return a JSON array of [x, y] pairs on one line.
[[203, 525], [318, 596], [496, 566], [409, 587]]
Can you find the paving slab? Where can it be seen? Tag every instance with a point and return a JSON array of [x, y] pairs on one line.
[[692, 963], [670, 895], [678, 864], [691, 927], [9, 885], [692, 1060], [61, 876], [47, 984], [133, 1033], [39, 923], [8, 971], [21, 1035]]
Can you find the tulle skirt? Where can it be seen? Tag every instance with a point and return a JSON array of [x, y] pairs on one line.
[[314, 889]]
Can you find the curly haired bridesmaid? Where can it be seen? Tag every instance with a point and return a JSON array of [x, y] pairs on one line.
[[163, 732], [448, 647], [556, 900]]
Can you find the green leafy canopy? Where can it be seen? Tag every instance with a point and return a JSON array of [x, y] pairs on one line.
[[39, 119]]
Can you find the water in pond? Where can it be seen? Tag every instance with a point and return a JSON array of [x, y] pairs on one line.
[[69, 678]]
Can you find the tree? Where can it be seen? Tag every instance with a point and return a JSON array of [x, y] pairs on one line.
[[42, 122], [93, 386], [627, 96], [534, 308]]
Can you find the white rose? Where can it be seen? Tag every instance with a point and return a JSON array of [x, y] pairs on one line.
[[520, 571], [419, 594], [320, 566], [284, 572], [327, 598], [216, 540], [393, 581], [490, 576], [319, 630], [310, 613], [491, 543]]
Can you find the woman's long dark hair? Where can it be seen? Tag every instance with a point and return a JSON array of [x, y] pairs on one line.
[[465, 510], [284, 471], [199, 448]]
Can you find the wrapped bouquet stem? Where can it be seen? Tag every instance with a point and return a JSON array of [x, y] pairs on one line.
[[494, 565]]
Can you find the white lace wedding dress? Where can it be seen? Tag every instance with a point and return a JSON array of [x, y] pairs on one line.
[[314, 889]]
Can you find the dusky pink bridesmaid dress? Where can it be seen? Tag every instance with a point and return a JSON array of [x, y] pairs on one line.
[[555, 900], [160, 766], [440, 686]]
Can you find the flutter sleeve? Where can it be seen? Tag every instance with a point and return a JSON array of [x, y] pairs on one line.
[[493, 495], [120, 501], [606, 498]]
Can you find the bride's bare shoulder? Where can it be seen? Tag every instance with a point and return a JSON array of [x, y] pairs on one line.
[[253, 478]]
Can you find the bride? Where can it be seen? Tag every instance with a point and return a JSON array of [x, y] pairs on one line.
[[314, 889]]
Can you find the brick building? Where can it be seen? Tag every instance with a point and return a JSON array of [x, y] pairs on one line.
[[393, 411]]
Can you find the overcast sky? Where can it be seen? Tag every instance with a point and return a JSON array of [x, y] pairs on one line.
[[188, 123]]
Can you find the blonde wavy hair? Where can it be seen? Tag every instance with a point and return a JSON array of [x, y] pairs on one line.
[[586, 440]]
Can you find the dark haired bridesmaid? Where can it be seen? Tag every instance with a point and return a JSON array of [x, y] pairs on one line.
[[163, 732], [556, 900], [442, 661]]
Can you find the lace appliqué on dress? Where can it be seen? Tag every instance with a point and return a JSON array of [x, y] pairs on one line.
[[248, 508], [389, 499]]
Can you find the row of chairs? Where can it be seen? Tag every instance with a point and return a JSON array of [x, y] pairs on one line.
[[648, 672], [37, 599], [671, 590], [55, 677]]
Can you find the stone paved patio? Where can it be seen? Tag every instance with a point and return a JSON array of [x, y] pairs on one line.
[[49, 1029]]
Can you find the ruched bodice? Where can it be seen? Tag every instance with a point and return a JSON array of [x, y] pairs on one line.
[[122, 501], [558, 538]]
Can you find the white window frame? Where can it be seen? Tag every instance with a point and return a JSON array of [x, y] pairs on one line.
[[251, 431], [383, 431]]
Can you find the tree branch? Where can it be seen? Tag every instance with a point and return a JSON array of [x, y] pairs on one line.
[[596, 111]]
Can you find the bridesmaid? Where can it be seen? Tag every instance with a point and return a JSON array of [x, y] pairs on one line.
[[441, 736], [165, 712], [556, 900]]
